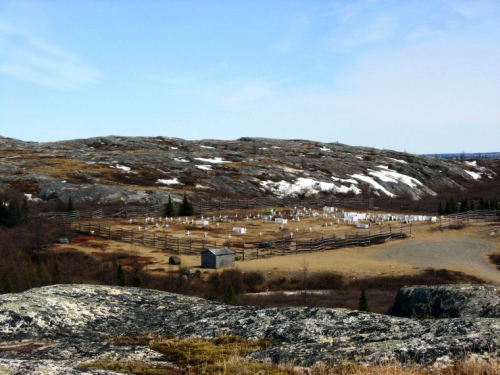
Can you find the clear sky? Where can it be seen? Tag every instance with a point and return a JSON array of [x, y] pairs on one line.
[[419, 76]]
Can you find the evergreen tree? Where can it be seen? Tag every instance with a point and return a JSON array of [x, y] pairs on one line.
[[494, 204], [56, 279], [71, 206], [440, 209], [14, 213], [25, 211], [447, 209], [364, 304], [186, 208], [481, 204], [230, 295], [464, 206], [9, 287], [170, 208], [136, 278], [453, 205], [471, 206], [120, 276]]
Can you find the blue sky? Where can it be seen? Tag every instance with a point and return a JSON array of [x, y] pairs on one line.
[[417, 76]]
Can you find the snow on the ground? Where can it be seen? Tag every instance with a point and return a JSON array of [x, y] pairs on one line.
[[399, 160], [325, 149], [391, 176], [173, 181], [206, 146], [123, 167], [372, 182], [181, 160], [348, 180], [307, 186], [474, 175], [204, 167], [213, 160], [471, 163]]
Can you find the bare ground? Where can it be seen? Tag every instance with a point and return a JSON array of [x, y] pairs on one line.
[[462, 250]]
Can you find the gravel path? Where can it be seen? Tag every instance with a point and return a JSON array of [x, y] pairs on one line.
[[463, 253]]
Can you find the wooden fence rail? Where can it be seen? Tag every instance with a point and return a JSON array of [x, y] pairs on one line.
[[244, 251]]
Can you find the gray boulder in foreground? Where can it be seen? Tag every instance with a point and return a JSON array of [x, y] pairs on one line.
[[64, 325], [447, 301]]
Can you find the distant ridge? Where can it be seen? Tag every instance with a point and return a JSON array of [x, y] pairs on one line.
[[468, 155]]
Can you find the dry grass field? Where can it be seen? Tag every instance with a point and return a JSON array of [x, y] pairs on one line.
[[463, 250]]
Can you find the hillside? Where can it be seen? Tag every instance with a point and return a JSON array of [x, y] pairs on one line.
[[146, 170]]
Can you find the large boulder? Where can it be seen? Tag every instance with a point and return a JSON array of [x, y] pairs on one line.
[[447, 301]]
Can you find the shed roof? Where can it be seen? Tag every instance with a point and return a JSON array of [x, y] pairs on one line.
[[219, 251]]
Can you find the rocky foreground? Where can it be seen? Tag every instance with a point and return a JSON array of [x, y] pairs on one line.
[[52, 330]]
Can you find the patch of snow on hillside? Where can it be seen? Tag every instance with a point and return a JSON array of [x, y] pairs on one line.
[[123, 167], [305, 186], [391, 176], [399, 161], [181, 160], [174, 148], [374, 183], [173, 181], [204, 167], [206, 146], [474, 175], [325, 149], [471, 163], [348, 180], [213, 160]]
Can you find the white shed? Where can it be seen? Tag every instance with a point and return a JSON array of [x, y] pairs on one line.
[[202, 222], [239, 230]]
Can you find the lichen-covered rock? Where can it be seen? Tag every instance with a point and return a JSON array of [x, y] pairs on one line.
[[447, 301], [70, 324]]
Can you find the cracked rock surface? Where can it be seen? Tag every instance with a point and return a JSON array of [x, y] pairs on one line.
[[63, 326]]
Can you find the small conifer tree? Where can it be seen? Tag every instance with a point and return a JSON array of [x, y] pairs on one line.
[[230, 295], [120, 276], [186, 208], [136, 278], [25, 211], [440, 209], [364, 304], [71, 206], [169, 208]]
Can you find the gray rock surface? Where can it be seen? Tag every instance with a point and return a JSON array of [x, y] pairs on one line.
[[447, 301], [70, 324], [130, 169]]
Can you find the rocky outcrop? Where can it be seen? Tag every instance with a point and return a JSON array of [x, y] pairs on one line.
[[447, 301], [65, 325], [147, 169]]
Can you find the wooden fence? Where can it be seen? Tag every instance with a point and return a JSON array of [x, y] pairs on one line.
[[203, 207], [464, 218], [244, 250]]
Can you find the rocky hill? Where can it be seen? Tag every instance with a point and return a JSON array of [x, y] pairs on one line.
[[54, 329], [140, 169]]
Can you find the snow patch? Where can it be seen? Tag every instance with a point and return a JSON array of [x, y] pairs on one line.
[[305, 186], [206, 146], [387, 175], [204, 167], [474, 175], [173, 181], [122, 167], [325, 149], [399, 160], [213, 160], [181, 160], [374, 183], [471, 163]]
